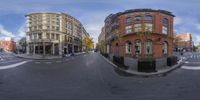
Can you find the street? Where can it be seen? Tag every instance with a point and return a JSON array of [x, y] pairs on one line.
[[90, 77]]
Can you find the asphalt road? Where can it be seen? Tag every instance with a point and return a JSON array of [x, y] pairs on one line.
[[90, 77]]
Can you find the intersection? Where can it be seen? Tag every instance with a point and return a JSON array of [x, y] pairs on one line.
[[89, 76]]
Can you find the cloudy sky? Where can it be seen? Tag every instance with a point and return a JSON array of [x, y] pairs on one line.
[[93, 12]]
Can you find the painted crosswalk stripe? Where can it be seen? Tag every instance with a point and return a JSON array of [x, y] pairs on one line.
[[13, 65], [58, 61], [48, 62], [191, 68], [37, 62]]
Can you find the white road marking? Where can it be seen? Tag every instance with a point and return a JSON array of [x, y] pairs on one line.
[[37, 62], [191, 68], [48, 62], [13, 65], [58, 61]]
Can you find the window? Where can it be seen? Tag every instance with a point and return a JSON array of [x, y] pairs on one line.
[[128, 47], [57, 28], [148, 27], [137, 47], [128, 20], [57, 36], [66, 39], [35, 36], [30, 36], [137, 18], [148, 18], [148, 47], [47, 35], [165, 47], [137, 27], [57, 23], [40, 35], [128, 29], [165, 26], [53, 27], [52, 36], [148, 23], [164, 30]]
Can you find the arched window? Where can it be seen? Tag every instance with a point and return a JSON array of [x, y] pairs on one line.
[[148, 18], [148, 47], [128, 47], [137, 18], [165, 26], [148, 23], [137, 23], [138, 47], [165, 48], [128, 20]]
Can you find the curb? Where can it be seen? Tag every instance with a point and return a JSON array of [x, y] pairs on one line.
[[142, 73]]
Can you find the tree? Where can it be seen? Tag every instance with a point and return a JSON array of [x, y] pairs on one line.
[[88, 43]]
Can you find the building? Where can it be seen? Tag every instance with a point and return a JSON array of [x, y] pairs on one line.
[[8, 44], [140, 34], [183, 42], [101, 41], [84, 35], [49, 33]]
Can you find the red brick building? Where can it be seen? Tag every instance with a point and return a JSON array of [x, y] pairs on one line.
[[184, 42], [8, 45], [140, 34]]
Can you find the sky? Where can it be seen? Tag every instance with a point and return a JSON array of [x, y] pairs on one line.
[[91, 13]]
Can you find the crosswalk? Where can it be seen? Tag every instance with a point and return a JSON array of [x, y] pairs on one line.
[[8, 58], [192, 62]]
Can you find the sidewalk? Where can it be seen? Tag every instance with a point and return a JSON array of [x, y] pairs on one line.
[[47, 57], [36, 57], [159, 72]]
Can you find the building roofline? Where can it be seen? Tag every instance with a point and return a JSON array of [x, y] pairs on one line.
[[146, 10], [31, 13], [59, 13], [141, 10]]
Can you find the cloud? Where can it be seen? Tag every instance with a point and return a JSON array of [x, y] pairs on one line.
[[197, 26], [4, 32], [21, 30], [178, 20], [196, 38]]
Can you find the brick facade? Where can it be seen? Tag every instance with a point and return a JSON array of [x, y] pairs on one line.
[[6, 45], [153, 43]]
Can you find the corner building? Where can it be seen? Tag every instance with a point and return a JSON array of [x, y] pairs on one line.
[[140, 34], [49, 33]]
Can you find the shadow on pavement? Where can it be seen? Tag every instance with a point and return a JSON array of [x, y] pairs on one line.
[[122, 73]]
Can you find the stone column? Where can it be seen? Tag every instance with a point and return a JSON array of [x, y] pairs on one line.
[[33, 48], [28, 49], [53, 49], [60, 45], [43, 48]]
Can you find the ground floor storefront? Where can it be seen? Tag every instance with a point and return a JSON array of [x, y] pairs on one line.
[[49, 48]]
